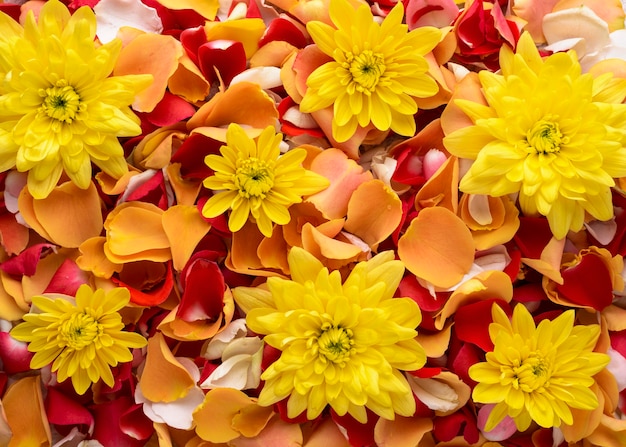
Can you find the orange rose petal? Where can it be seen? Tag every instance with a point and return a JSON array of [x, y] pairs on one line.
[[206, 8], [374, 212], [14, 235], [243, 253], [186, 191], [615, 317], [184, 227], [323, 246], [345, 176], [401, 432], [10, 309], [25, 413], [326, 434], [442, 189], [585, 421], [248, 31], [213, 418], [80, 220], [26, 205], [486, 285], [13, 288], [452, 117], [549, 263], [92, 258], [252, 419], [242, 103], [272, 54], [278, 433], [188, 82], [614, 65], [113, 186], [182, 330], [611, 432], [435, 344], [504, 220], [155, 150], [437, 247], [163, 379], [135, 232], [154, 54], [272, 252]]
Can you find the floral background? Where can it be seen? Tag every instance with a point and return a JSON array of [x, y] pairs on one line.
[[312, 223]]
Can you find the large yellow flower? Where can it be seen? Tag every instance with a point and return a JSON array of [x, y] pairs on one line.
[[59, 109], [377, 70], [537, 373], [252, 177], [81, 337], [342, 344], [555, 135]]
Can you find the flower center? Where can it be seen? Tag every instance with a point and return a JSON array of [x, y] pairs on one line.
[[366, 69], [531, 374], [545, 137], [61, 102], [80, 330], [254, 177], [335, 343]]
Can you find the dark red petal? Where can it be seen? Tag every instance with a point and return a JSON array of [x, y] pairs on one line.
[[228, 57], [134, 423], [203, 293], [170, 110], [152, 296], [588, 283], [191, 156], [283, 30], [192, 39], [472, 321], [149, 189], [14, 354], [108, 430], [26, 262], [64, 410], [533, 236], [410, 287], [359, 435]]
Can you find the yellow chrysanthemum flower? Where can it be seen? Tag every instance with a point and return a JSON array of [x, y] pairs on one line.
[[59, 109], [537, 373], [252, 177], [81, 337], [377, 71], [555, 135], [342, 344]]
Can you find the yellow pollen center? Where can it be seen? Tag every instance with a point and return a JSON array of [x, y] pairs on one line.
[[545, 137], [531, 374], [79, 330], [61, 102], [335, 343], [254, 177], [366, 69]]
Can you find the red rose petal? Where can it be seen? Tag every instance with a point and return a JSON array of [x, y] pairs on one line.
[[153, 296], [67, 279], [472, 321], [203, 291], [191, 156], [108, 430], [14, 354], [26, 262], [282, 29], [227, 57], [64, 410], [587, 283], [170, 110]]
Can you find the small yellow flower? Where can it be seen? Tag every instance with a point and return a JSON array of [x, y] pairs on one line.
[[538, 373], [377, 71], [253, 178], [81, 337], [342, 344], [552, 134], [59, 109]]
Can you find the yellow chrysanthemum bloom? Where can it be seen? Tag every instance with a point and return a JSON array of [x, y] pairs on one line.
[[59, 109], [81, 337], [342, 344], [252, 177], [537, 373], [377, 71], [552, 134]]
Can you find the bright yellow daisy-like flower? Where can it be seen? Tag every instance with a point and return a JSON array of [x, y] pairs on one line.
[[59, 109], [342, 345], [81, 337], [538, 373], [253, 178], [377, 71], [549, 132]]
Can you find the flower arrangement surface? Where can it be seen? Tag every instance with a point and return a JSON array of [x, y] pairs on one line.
[[338, 223]]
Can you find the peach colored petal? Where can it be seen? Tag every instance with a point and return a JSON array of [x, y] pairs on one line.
[[452, 117], [272, 54], [135, 232], [26, 205], [345, 176], [252, 419], [5, 430], [374, 212], [289, 77], [272, 252], [92, 258], [437, 247], [247, 31], [486, 285], [611, 432], [188, 82], [320, 244], [184, 227], [585, 421], [154, 54], [435, 344], [442, 189], [113, 186], [301, 213], [214, 416], [615, 317], [10, 309], [549, 263], [501, 219], [13, 287], [242, 103], [243, 253], [401, 432], [155, 150], [206, 8], [186, 191], [278, 433], [164, 379], [444, 393], [14, 235], [25, 413], [533, 11], [611, 11], [80, 220], [326, 434]]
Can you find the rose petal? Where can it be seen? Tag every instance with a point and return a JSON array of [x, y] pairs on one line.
[[64, 410], [401, 432], [184, 227], [203, 292], [111, 15], [24, 411], [214, 416]]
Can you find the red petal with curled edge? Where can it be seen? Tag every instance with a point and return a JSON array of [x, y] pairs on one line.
[[532, 236], [191, 156], [466, 356], [460, 422], [26, 262], [426, 373], [14, 354], [170, 110], [588, 283], [410, 287], [192, 39], [358, 434], [472, 321], [291, 129], [154, 296], [108, 430], [67, 279], [152, 190], [64, 410], [283, 30], [203, 291], [228, 57], [134, 423]]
